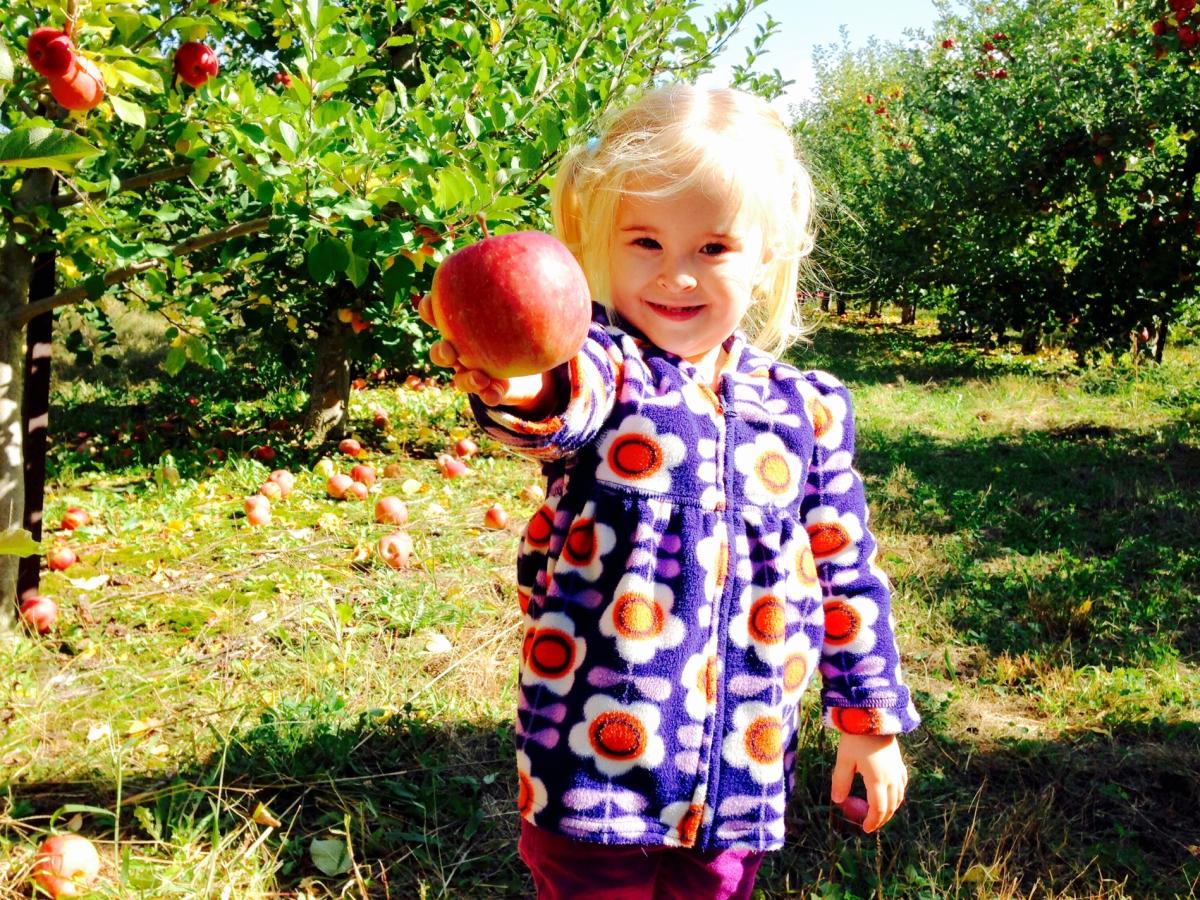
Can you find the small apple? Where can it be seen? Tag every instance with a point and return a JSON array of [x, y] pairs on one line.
[[466, 448], [50, 52], [195, 63], [393, 470], [271, 490], [395, 549], [80, 87], [451, 467], [325, 468], [364, 473], [345, 316], [61, 558], [338, 484], [358, 323], [40, 613], [66, 865], [391, 511], [282, 78], [258, 510], [351, 447], [357, 491], [533, 493], [853, 809], [380, 420], [75, 517], [286, 481], [495, 517], [513, 304], [263, 453]]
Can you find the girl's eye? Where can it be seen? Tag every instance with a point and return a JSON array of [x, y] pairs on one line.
[[713, 249], [648, 243]]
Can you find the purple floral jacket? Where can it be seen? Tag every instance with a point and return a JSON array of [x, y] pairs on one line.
[[699, 555]]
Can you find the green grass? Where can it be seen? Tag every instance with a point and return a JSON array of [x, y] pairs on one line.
[[218, 697]]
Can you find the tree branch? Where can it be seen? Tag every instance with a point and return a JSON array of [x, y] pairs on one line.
[[25, 314], [133, 183]]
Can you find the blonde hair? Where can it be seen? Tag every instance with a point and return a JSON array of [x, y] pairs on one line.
[[678, 137]]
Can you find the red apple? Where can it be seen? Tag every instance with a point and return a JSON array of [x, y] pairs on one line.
[[351, 447], [495, 517], [258, 510], [466, 448], [283, 78], [263, 453], [854, 809], [61, 558], [358, 323], [395, 549], [50, 52], [391, 511], [948, 44], [285, 479], [380, 420], [450, 466], [75, 517], [195, 63], [66, 865], [40, 613], [271, 490], [80, 87], [363, 473], [514, 304], [357, 491], [338, 484]]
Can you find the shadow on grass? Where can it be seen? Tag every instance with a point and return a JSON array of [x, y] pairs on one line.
[[1080, 540], [430, 811]]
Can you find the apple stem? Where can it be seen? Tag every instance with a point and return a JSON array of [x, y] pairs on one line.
[[72, 15], [483, 224]]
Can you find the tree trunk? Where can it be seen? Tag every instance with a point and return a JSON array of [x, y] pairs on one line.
[[16, 270], [873, 310], [1160, 343], [824, 297], [839, 303], [1031, 341], [908, 314], [36, 417], [329, 386]]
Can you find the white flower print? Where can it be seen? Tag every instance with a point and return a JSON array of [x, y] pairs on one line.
[[639, 619], [637, 455], [531, 792], [552, 653], [684, 819], [833, 536], [699, 680], [756, 742], [618, 736], [850, 625], [771, 471]]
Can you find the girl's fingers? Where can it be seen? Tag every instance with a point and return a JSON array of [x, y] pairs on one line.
[[425, 311], [443, 354]]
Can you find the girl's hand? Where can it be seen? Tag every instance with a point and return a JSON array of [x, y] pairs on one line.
[[877, 758], [528, 393]]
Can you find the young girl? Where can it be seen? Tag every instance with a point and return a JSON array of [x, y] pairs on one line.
[[703, 548]]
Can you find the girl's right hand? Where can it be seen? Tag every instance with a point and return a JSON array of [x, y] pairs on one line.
[[525, 392]]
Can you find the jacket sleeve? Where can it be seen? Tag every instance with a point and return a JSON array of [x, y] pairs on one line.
[[862, 688], [587, 387]]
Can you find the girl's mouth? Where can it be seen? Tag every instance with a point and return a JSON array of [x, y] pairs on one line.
[[675, 313]]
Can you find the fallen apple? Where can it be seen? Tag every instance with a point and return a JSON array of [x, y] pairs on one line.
[[325, 468], [75, 517], [286, 481], [395, 549], [357, 491], [351, 447], [61, 558], [271, 490], [39, 613], [338, 484], [263, 453], [391, 511], [450, 466], [364, 474], [513, 304], [495, 517], [258, 510], [393, 470], [533, 493], [66, 865], [466, 448]]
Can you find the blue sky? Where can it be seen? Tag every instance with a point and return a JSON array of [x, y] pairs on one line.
[[807, 23]]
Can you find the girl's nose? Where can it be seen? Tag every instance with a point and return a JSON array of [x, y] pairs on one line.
[[676, 278]]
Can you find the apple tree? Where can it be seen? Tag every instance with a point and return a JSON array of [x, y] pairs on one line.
[[285, 175]]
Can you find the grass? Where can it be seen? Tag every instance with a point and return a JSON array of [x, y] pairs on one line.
[[238, 712]]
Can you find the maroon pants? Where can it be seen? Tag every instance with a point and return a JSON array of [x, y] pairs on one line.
[[564, 869]]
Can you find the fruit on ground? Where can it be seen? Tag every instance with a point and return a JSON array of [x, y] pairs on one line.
[[80, 87], [258, 510], [50, 52], [351, 447], [325, 468], [466, 448], [495, 517], [357, 491], [61, 559], [338, 484], [263, 453], [285, 479], [75, 517], [39, 613], [533, 493], [364, 474], [393, 470], [396, 549], [391, 511], [450, 466], [514, 304], [66, 865], [195, 63]]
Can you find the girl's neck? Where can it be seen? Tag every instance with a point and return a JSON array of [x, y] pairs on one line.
[[708, 365]]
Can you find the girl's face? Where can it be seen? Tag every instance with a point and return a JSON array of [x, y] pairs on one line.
[[683, 269]]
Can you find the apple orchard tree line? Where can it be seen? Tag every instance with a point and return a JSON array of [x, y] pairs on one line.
[[285, 175], [1026, 166]]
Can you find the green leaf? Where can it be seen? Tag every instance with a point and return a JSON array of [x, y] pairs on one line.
[[128, 111], [330, 856], [357, 269], [202, 168], [136, 75], [44, 148], [6, 63], [327, 257], [175, 361], [18, 542], [450, 188]]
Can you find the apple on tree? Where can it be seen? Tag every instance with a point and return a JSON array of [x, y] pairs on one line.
[[195, 63], [66, 865], [513, 304], [51, 52], [81, 87]]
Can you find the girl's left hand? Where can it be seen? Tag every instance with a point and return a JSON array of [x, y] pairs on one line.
[[877, 758]]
